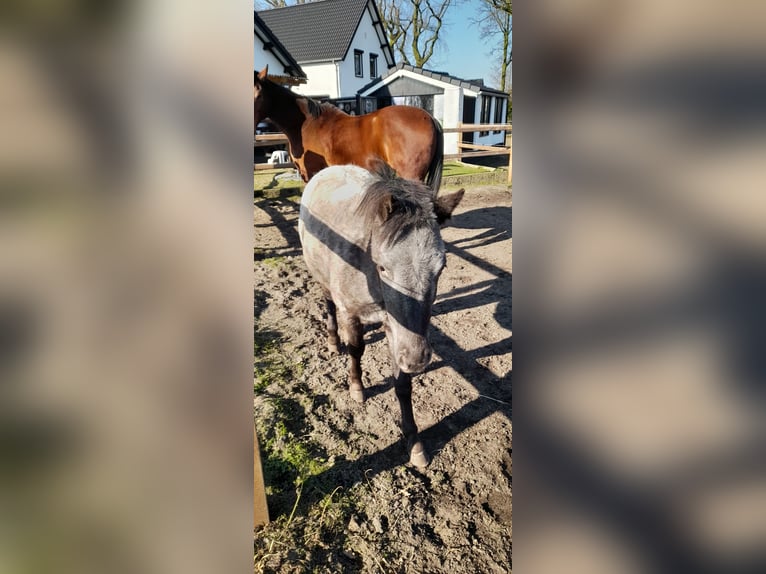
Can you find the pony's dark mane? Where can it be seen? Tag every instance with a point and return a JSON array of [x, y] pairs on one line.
[[401, 204]]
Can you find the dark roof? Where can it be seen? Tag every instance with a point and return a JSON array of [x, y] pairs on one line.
[[320, 31], [273, 45], [475, 85]]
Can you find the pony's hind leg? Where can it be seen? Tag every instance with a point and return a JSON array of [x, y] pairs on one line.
[[356, 350], [333, 342], [403, 386]]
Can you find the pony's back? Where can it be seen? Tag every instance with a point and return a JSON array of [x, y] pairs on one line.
[[335, 239]]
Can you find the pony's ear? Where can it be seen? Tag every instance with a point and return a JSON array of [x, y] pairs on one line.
[[446, 204], [385, 207], [263, 73]]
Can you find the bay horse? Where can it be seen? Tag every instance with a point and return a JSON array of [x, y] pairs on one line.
[[409, 139], [372, 242]]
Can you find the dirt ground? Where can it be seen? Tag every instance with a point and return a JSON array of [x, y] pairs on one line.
[[453, 517]]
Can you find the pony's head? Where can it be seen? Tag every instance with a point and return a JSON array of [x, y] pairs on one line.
[[409, 255], [260, 103]]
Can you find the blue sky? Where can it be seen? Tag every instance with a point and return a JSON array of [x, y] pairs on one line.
[[462, 51]]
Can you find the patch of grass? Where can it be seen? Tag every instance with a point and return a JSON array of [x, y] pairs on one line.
[[273, 261], [269, 367], [456, 168], [313, 542], [266, 185], [309, 511]]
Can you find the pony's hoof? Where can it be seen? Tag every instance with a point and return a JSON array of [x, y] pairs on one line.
[[418, 456], [333, 345], [356, 392]]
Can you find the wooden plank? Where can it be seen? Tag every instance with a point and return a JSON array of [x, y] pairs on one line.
[[498, 149], [265, 166], [260, 507], [257, 143], [281, 138], [479, 128], [474, 154]]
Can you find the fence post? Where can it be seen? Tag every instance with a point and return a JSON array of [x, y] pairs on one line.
[[260, 509], [510, 161]]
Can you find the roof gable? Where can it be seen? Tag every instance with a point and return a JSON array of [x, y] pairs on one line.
[[273, 45], [405, 86], [473, 85], [322, 31]]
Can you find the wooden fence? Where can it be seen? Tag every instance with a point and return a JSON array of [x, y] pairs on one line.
[[267, 140], [466, 150]]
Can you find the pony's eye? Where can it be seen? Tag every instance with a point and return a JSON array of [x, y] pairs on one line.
[[381, 269]]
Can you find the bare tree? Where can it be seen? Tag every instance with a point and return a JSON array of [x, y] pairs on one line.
[[268, 4], [413, 27], [496, 21]]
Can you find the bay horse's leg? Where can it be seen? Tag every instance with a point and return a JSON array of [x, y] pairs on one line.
[[403, 387], [333, 342], [355, 350]]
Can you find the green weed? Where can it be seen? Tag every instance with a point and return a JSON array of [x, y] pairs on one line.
[[309, 511], [273, 261]]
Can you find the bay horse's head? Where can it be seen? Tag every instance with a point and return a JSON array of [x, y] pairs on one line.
[[260, 100], [407, 249]]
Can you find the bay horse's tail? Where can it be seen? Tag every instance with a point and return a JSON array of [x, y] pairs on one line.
[[434, 175]]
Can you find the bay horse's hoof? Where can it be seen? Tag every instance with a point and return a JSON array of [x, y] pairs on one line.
[[357, 392], [418, 456], [333, 345]]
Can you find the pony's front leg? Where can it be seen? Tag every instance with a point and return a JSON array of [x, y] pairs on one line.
[[403, 386], [355, 338]]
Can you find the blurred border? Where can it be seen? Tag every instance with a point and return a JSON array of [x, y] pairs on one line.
[[126, 291], [639, 287]]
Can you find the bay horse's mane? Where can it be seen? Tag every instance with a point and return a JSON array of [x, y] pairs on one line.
[[315, 108], [402, 204]]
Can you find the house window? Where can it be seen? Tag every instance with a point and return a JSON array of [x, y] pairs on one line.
[[373, 65], [358, 70], [486, 106], [499, 113]]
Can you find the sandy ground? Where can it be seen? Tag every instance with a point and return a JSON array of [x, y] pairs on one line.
[[455, 516]]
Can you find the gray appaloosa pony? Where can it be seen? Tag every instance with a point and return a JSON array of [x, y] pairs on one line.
[[372, 241]]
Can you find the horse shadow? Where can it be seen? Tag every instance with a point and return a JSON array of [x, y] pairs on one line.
[[499, 218], [283, 214]]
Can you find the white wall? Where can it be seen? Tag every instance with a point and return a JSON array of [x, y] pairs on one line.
[[263, 57], [453, 115], [321, 80], [365, 39]]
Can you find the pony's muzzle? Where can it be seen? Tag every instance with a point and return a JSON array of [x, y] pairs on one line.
[[414, 359]]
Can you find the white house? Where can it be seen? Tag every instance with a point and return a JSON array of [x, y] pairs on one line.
[[269, 51], [451, 100], [340, 44]]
